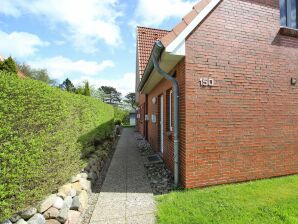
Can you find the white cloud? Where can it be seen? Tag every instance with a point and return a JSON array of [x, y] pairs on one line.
[[125, 84], [155, 12], [20, 44], [87, 22], [61, 67], [59, 42]]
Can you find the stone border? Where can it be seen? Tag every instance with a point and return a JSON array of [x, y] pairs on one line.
[[74, 202], [160, 178]]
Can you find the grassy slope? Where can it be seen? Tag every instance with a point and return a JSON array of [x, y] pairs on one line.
[[267, 201]]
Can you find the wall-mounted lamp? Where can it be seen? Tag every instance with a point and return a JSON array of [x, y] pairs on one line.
[[293, 81], [154, 100]]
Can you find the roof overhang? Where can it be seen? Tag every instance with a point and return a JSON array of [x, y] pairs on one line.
[[171, 54]]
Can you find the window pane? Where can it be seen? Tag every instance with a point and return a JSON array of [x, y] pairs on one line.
[[283, 13], [291, 13]]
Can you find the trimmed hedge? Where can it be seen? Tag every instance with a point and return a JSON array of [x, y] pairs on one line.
[[44, 134], [121, 116]]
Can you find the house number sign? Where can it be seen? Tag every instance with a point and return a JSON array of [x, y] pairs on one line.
[[204, 82]]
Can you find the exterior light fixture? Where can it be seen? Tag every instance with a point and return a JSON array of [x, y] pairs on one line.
[[154, 100]]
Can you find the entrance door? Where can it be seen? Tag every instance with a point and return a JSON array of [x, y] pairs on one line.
[[161, 124]]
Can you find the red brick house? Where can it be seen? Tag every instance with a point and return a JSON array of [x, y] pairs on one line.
[[236, 64]]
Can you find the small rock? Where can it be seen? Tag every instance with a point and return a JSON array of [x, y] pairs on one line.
[[75, 178], [6, 222], [67, 201], [83, 198], [63, 214], [85, 184], [15, 218], [21, 221], [73, 217], [75, 203], [51, 213], [47, 203], [77, 186], [27, 214], [52, 221], [73, 192], [58, 203], [84, 175], [64, 190], [37, 219]]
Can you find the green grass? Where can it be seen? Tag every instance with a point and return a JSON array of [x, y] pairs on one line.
[[270, 201]]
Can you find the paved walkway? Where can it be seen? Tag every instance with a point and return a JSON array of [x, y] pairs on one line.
[[126, 196]]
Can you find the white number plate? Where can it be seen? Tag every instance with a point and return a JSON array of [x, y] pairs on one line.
[[206, 82]]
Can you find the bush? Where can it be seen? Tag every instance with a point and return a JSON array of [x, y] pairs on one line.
[[44, 134], [8, 65], [121, 115]]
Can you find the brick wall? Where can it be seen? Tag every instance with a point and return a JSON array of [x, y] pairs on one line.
[[246, 126], [141, 120], [163, 88]]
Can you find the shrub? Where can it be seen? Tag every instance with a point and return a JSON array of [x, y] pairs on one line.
[[8, 65], [121, 115], [44, 133]]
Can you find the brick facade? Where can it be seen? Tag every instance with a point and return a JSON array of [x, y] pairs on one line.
[[246, 126]]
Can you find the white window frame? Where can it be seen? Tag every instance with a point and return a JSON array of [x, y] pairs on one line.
[[170, 106]]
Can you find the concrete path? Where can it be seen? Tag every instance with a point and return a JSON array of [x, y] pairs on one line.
[[126, 196]]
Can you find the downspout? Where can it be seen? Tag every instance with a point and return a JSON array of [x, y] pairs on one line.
[[156, 57]]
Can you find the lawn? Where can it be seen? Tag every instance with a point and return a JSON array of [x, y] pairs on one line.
[[270, 201]]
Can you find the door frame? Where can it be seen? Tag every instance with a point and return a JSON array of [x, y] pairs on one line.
[[161, 124]]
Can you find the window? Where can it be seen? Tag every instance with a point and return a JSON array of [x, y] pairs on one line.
[[170, 110], [288, 13]]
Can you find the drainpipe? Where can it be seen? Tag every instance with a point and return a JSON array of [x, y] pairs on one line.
[[156, 57]]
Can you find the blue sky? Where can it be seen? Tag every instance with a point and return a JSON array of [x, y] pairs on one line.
[[90, 40]]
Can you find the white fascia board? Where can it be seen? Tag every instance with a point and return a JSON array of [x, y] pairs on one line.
[[177, 47]]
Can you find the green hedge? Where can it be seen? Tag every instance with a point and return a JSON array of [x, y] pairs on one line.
[[121, 116], [44, 134]]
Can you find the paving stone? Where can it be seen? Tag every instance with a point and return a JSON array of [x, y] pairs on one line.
[[126, 196]]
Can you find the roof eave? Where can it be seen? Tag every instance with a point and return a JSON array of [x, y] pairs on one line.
[[176, 46], [157, 49]]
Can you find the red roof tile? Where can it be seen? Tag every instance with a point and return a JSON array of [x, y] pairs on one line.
[[171, 36], [146, 38]]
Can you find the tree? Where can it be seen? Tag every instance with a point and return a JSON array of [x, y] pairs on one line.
[[37, 74], [111, 95], [87, 91], [84, 90], [130, 99], [67, 86], [9, 65]]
